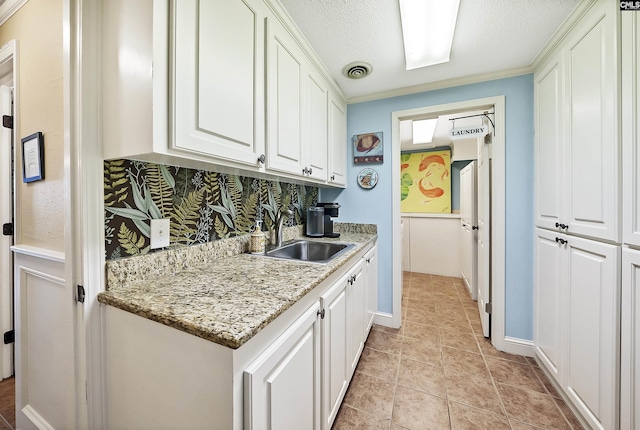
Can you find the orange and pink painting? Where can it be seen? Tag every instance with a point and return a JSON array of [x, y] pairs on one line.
[[425, 181]]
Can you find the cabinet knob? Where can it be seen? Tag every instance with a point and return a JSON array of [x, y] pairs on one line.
[[333, 177], [321, 313], [305, 171], [261, 159], [561, 241], [310, 170]]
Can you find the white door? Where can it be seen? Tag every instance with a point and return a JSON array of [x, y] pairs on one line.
[[630, 341], [355, 318], [6, 216], [284, 95], [334, 355], [371, 288], [468, 218], [484, 232], [219, 79], [549, 152], [283, 384], [550, 266], [630, 59], [593, 330], [592, 161]]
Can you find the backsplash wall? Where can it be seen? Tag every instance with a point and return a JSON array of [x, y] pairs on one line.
[[203, 206]]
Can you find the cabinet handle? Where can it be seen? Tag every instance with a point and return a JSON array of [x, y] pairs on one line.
[[321, 313], [261, 159], [562, 226], [368, 260], [333, 177], [561, 241], [475, 227], [306, 171], [310, 170]]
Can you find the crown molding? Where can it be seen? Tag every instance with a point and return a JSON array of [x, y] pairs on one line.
[[448, 83], [561, 33], [8, 8]]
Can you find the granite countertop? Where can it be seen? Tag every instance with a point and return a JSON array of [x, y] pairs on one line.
[[230, 299]]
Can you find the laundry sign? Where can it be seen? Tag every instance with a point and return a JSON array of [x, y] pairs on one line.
[[468, 132]]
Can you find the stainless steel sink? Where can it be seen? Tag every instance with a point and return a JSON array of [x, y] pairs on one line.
[[307, 250]]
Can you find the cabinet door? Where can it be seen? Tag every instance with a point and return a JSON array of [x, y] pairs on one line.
[[593, 330], [355, 320], [284, 100], [549, 184], [630, 59], [316, 125], [282, 386], [592, 126], [548, 330], [334, 350], [630, 341], [337, 142], [371, 288], [219, 79]]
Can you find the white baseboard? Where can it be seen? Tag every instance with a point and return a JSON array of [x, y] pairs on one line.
[[514, 345], [386, 320]]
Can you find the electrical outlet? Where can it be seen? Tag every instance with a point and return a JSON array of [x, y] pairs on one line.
[[159, 233]]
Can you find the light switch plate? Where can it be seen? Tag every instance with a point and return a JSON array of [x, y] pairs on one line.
[[159, 233]]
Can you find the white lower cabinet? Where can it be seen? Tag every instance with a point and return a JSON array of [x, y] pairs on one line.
[[630, 341], [293, 374], [549, 269], [355, 323], [576, 330], [592, 314], [371, 288], [282, 386], [334, 351]]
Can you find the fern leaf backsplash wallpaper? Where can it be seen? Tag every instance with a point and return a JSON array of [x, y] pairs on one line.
[[203, 206]]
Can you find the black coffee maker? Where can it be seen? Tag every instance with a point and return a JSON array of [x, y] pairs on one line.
[[330, 211]]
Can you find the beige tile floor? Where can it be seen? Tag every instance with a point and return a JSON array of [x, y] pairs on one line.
[[439, 372]]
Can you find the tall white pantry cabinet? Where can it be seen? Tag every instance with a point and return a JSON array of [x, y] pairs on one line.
[[630, 303], [577, 312]]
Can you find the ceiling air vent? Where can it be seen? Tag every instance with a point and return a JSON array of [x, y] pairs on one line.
[[357, 70]]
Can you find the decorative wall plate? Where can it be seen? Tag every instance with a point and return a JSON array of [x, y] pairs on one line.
[[367, 178]]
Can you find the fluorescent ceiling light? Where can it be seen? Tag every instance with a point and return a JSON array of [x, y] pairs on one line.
[[427, 29], [423, 130]]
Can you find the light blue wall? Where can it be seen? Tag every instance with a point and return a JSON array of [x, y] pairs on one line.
[[374, 206]]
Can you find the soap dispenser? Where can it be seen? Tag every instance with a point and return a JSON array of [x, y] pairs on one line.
[[258, 239]]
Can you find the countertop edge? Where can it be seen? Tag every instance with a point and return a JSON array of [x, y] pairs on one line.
[[169, 319]]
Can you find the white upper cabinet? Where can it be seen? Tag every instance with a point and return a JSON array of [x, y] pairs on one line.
[[226, 85], [337, 142], [549, 155], [218, 72], [577, 146], [284, 94], [631, 127], [297, 114], [315, 125]]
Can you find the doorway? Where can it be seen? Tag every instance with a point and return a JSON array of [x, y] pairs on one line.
[[497, 208]]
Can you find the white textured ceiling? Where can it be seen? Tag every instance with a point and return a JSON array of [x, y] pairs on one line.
[[490, 36]]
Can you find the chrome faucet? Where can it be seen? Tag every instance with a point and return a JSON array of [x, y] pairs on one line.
[[282, 214]]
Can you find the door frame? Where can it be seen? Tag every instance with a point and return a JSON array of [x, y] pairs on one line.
[[84, 220], [497, 213], [8, 54]]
